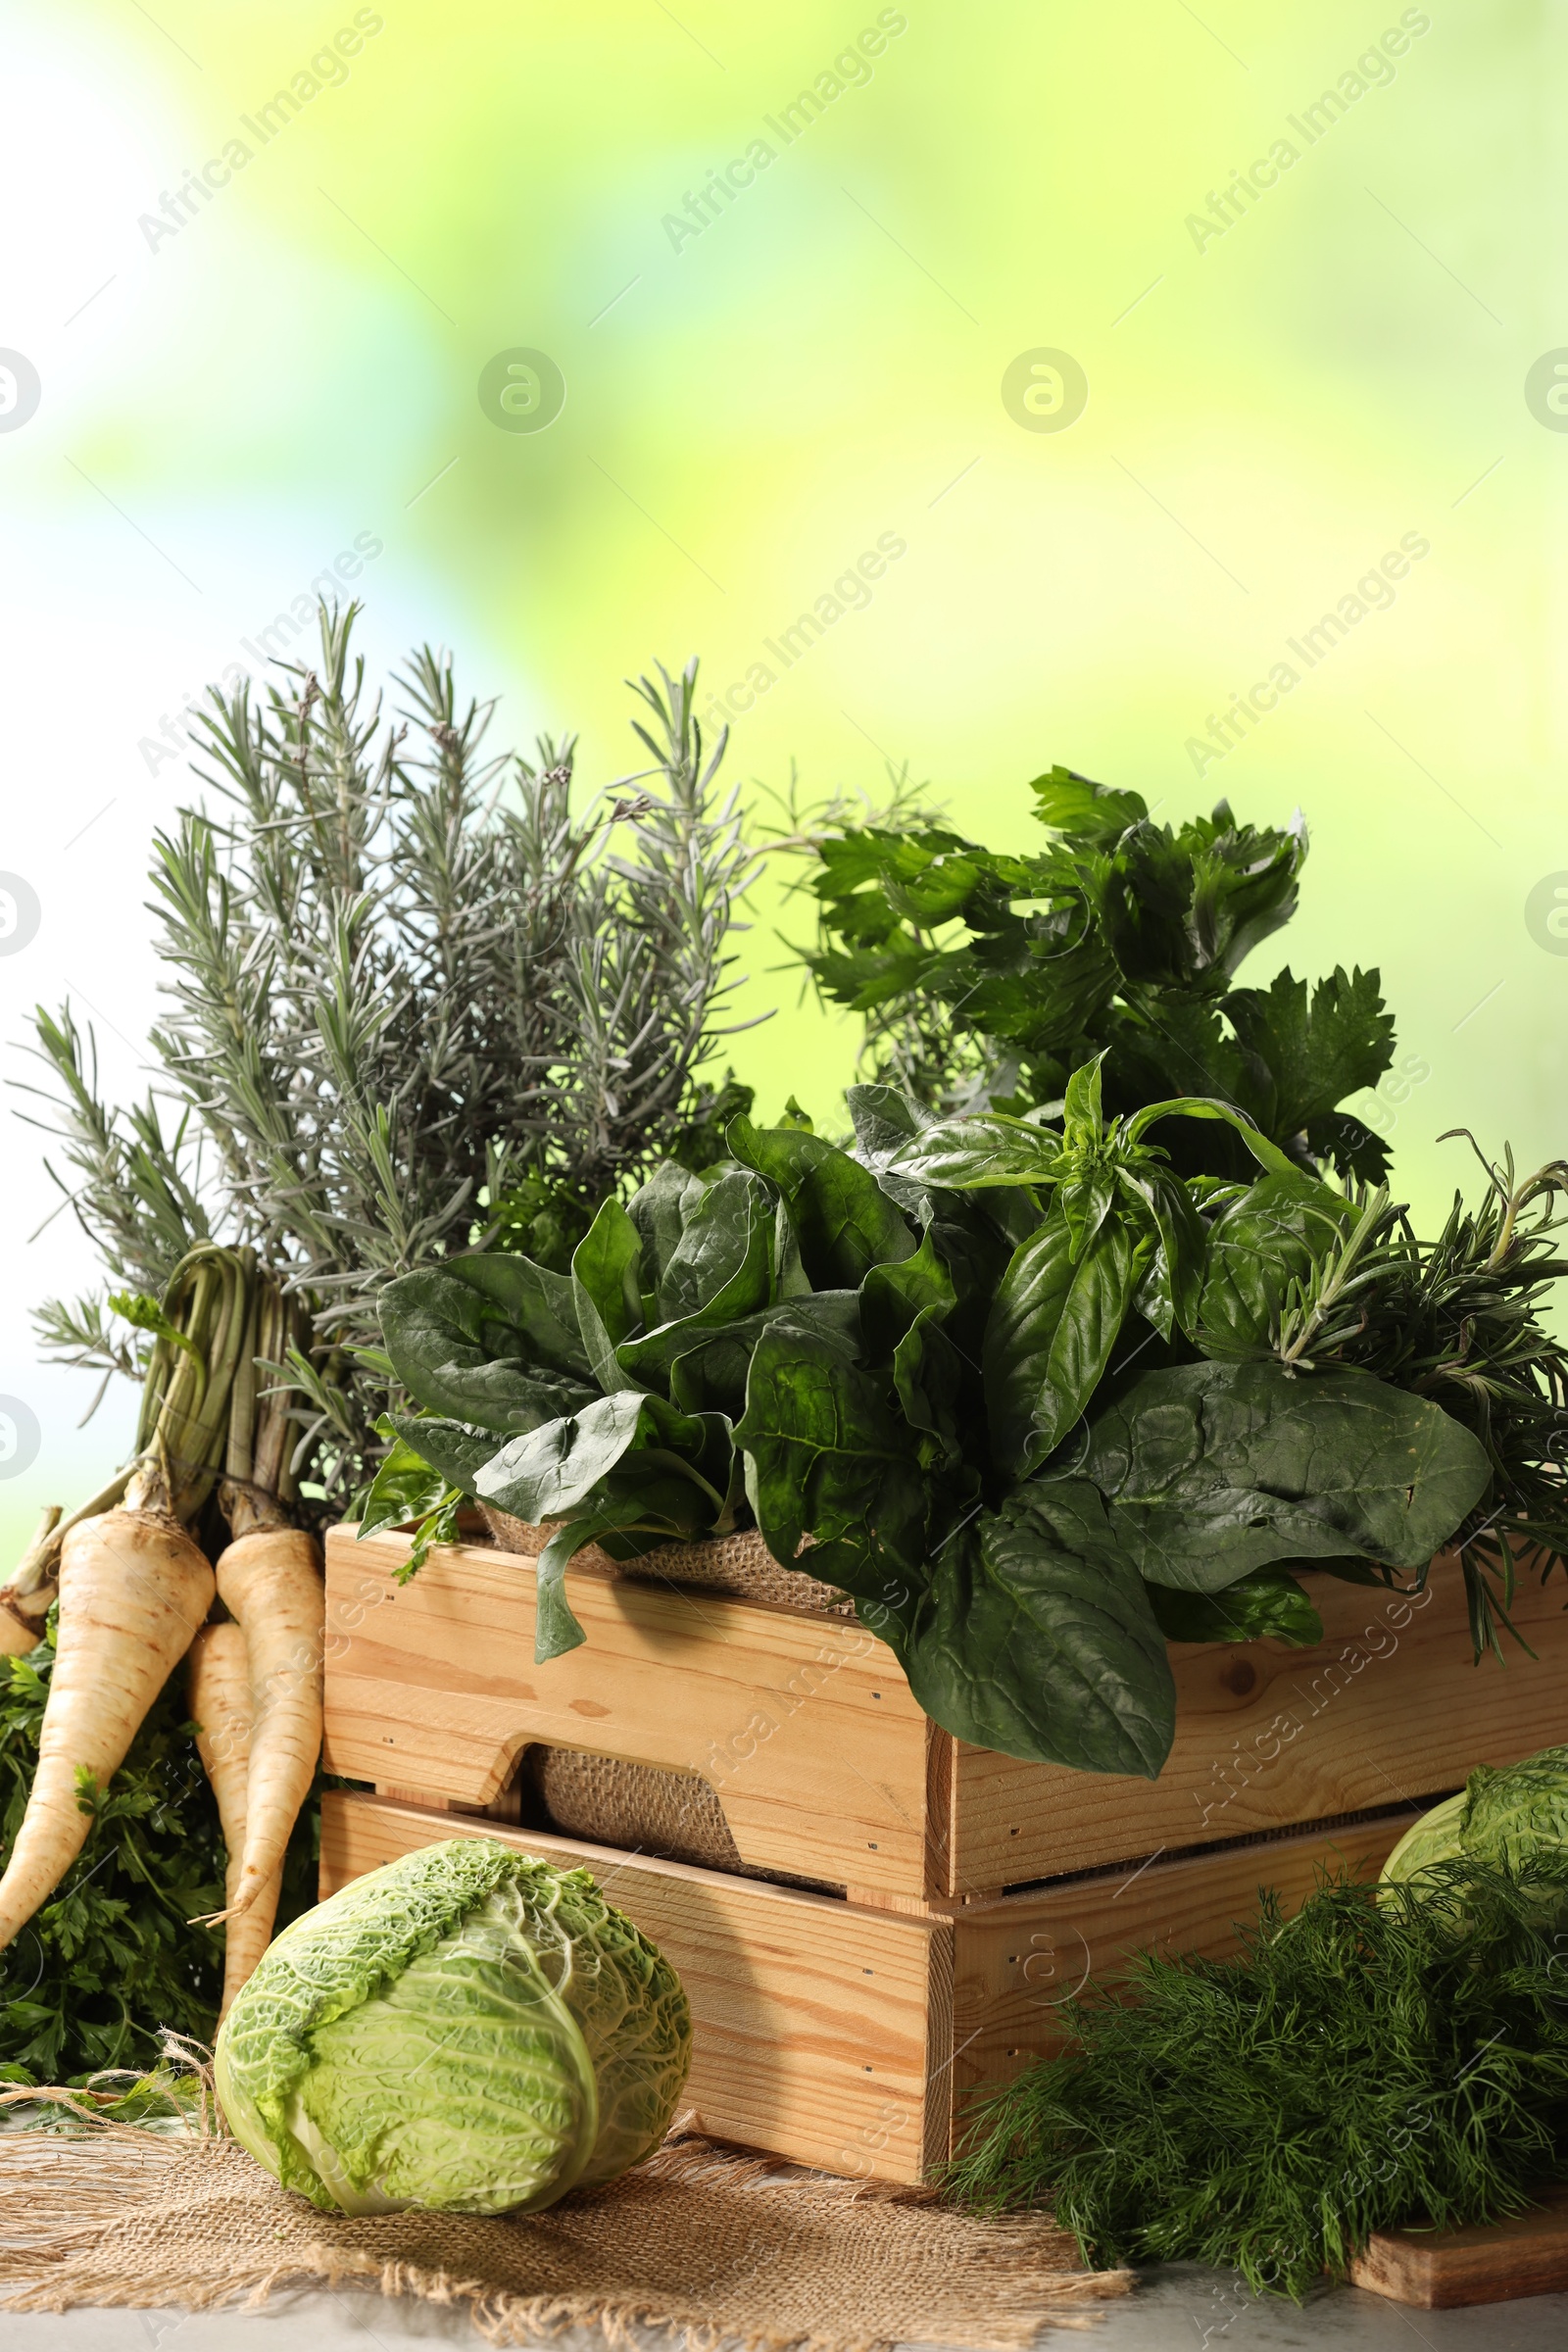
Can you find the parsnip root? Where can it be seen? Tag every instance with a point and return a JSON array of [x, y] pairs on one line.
[[133, 1590], [271, 1582], [220, 1708]]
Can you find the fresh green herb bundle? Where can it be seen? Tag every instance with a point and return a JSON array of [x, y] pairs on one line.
[[1459, 1320], [1363, 2064], [988, 978], [418, 992]]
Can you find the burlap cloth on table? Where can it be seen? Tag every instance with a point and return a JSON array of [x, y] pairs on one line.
[[612, 1802], [699, 2239]]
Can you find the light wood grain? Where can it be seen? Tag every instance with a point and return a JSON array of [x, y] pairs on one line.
[[822, 2031], [1438, 2270], [824, 1765], [1019, 1959], [1389, 1708], [803, 1723]]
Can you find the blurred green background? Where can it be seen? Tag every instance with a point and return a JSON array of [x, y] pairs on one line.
[[1283, 377]]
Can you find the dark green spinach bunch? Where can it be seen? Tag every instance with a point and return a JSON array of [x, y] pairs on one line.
[[1385, 2056], [1123, 938], [605, 1399]]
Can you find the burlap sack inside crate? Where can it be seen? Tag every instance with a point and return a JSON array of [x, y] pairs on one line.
[[674, 1814]]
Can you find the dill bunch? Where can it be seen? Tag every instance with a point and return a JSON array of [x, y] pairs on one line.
[[1365, 2063]]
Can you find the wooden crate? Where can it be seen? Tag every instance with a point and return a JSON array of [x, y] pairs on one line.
[[848, 2035], [827, 1769]]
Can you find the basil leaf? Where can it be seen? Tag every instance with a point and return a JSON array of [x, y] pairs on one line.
[[1038, 1640], [844, 1222], [1204, 1106], [1050, 1335], [487, 1339], [1267, 1605], [1082, 1120], [606, 1285], [985, 1149], [1213, 1470], [1182, 1241]]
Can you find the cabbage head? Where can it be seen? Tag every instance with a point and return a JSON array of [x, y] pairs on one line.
[[1505, 1815], [468, 2030]]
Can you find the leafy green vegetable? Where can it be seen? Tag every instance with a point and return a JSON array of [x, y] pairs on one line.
[[1038, 1639], [1122, 938], [1507, 1817], [1266, 1605], [466, 2029], [1365, 2064], [716, 1261], [1271, 1235], [926, 1362], [1214, 1470]]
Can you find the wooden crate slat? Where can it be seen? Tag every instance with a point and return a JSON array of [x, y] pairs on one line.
[[1389, 1708], [823, 2031], [803, 1725], [1020, 1958], [824, 1765], [849, 2035]]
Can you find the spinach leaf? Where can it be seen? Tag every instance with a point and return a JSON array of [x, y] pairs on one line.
[[1211, 1470], [628, 1470], [1050, 1336], [844, 1222], [1269, 1605], [606, 1286], [893, 1297], [406, 1486], [660, 1210], [451, 1447], [721, 1266], [707, 1371], [490, 1339], [1262, 1242], [826, 1453], [1037, 1640]]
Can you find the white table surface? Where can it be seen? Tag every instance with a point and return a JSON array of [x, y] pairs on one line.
[[1175, 2309]]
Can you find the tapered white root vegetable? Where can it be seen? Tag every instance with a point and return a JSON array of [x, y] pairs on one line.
[[220, 1709], [271, 1582], [133, 1590]]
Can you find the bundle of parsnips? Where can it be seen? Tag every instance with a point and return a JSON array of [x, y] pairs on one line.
[[136, 1593]]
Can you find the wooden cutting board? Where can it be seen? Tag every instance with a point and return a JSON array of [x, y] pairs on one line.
[[1438, 2269]]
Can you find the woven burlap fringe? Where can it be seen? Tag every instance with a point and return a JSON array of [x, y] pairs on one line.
[[740, 1565], [718, 2247]]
